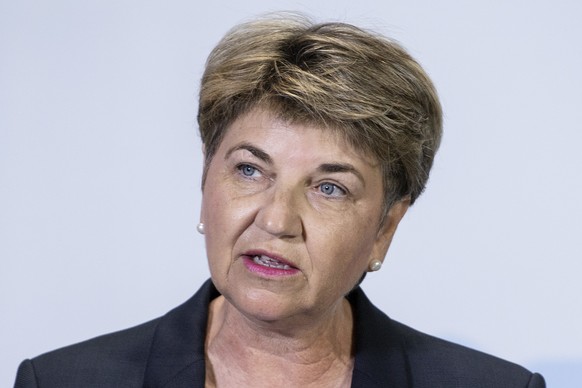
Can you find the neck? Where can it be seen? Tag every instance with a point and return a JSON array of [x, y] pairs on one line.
[[313, 350]]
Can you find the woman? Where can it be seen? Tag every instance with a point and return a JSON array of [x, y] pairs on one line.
[[317, 139]]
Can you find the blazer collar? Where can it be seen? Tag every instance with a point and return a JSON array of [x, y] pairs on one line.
[[177, 354]]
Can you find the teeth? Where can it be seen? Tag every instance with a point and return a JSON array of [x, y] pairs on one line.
[[269, 262]]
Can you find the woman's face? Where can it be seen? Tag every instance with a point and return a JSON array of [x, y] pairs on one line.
[[291, 216]]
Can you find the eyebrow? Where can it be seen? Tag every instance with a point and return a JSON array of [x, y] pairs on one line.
[[257, 152], [341, 168], [328, 168]]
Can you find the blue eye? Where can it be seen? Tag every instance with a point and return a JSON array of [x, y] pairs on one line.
[[331, 190], [247, 170]]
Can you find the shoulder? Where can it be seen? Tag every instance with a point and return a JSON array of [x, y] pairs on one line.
[[386, 348], [434, 361], [115, 359], [144, 355]]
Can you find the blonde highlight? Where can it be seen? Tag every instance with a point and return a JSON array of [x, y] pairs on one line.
[[332, 75]]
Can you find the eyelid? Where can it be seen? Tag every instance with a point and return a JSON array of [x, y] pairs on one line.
[[338, 186], [239, 167]]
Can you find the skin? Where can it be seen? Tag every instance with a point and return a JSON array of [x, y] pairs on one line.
[[304, 198]]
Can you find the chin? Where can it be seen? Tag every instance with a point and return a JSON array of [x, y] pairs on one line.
[[263, 305]]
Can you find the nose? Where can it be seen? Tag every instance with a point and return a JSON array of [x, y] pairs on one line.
[[279, 215]]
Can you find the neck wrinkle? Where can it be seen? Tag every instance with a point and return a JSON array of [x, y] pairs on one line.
[[308, 353]]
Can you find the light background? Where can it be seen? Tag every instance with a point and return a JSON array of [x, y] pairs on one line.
[[100, 166]]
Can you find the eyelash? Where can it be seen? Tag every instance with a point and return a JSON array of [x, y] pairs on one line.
[[343, 192], [241, 168]]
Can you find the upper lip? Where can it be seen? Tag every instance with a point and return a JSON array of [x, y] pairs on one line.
[[275, 256]]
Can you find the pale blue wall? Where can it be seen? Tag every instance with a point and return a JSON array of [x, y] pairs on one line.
[[100, 164]]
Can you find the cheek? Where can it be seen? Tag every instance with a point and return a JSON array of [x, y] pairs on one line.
[[222, 204], [339, 260], [225, 218], [345, 245], [215, 199], [214, 218]]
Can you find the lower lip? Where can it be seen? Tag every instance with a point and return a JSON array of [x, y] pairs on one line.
[[267, 271]]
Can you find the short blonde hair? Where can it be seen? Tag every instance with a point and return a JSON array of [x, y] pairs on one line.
[[332, 75]]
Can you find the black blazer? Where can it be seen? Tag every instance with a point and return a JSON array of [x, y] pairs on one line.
[[169, 352]]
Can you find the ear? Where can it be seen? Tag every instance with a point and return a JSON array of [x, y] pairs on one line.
[[387, 230]]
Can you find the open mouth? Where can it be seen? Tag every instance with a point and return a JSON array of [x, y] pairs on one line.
[[270, 262], [265, 264]]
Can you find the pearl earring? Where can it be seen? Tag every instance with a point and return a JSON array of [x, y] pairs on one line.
[[200, 228], [375, 265]]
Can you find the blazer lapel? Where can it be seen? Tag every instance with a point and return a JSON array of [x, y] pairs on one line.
[[177, 354], [380, 359]]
